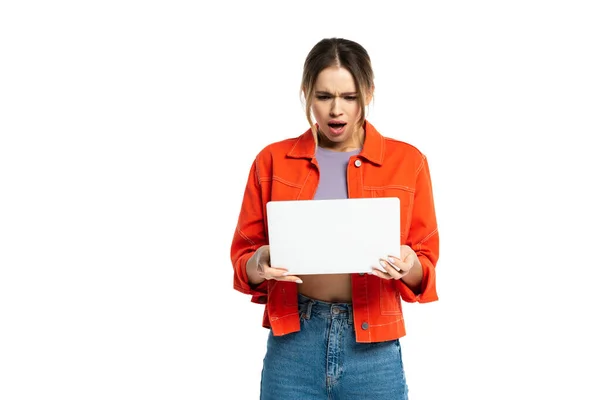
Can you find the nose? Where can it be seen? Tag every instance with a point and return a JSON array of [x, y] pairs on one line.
[[335, 110]]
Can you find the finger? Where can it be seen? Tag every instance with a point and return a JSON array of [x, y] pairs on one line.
[[380, 267], [393, 259], [403, 267], [274, 272], [281, 274], [377, 272], [385, 271], [263, 267], [394, 262], [393, 271], [290, 278]]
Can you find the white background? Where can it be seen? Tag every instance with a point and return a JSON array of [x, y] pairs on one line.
[[127, 131]]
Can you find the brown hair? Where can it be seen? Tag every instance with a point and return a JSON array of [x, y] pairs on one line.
[[339, 53]]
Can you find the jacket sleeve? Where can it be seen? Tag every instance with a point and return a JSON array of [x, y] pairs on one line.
[[423, 238], [249, 235]]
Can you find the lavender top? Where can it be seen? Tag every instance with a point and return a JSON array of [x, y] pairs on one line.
[[333, 167]]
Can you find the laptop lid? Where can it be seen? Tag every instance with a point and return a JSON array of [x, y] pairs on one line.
[[333, 236]]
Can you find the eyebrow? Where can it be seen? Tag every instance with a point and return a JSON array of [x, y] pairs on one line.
[[341, 94]]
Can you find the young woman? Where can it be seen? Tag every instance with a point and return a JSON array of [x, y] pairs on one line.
[[335, 336]]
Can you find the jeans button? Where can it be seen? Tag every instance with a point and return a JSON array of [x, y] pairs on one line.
[[364, 326]]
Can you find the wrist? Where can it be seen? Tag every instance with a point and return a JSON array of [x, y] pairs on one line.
[[252, 270], [414, 277]]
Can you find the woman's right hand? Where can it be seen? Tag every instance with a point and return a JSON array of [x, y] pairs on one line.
[[259, 268]]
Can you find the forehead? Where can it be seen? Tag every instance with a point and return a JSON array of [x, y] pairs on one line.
[[335, 80]]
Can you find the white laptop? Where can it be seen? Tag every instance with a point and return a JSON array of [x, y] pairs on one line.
[[333, 236]]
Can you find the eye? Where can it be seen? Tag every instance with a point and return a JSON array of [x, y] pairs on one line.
[[323, 97], [350, 98]]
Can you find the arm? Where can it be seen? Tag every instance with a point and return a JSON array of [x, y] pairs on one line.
[[419, 285], [248, 237], [414, 278]]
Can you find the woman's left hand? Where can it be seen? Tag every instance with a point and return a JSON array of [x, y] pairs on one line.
[[396, 267]]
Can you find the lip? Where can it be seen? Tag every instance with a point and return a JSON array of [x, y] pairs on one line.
[[335, 132], [336, 121]]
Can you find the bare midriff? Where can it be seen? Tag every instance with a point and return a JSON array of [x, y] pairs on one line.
[[334, 288]]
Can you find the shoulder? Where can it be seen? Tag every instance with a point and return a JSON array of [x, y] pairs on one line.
[[399, 151], [389, 150], [279, 154], [395, 145], [278, 148], [301, 146]]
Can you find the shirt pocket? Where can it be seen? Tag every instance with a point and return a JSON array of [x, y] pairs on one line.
[[283, 298], [389, 299], [284, 189]]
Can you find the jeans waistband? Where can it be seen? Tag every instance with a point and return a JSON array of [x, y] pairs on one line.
[[310, 307]]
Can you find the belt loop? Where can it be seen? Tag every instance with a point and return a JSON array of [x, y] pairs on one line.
[[350, 315], [308, 309]]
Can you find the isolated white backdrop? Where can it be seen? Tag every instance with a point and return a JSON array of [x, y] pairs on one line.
[[127, 130]]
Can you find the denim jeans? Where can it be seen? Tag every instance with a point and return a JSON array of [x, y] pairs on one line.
[[324, 361]]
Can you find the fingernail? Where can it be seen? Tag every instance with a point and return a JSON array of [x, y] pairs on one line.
[[285, 274], [298, 281], [382, 266], [391, 261]]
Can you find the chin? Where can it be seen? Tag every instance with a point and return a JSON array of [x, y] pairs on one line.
[[336, 138]]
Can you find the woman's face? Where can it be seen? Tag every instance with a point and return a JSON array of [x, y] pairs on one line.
[[336, 109]]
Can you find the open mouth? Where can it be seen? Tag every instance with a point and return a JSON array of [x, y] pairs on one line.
[[337, 127]]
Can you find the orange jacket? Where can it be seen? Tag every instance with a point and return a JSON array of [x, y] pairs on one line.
[[288, 170]]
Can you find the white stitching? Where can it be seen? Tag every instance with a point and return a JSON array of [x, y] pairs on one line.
[[421, 166], [283, 316], [278, 179], [304, 184], [427, 237], [389, 323], [245, 237], [295, 143], [407, 188]]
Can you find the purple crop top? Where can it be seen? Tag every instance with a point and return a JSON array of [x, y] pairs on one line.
[[333, 166]]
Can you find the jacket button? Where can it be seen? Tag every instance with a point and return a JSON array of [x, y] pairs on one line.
[[361, 273], [364, 326], [357, 163]]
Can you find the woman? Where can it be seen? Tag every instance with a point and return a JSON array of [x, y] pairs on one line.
[[335, 336]]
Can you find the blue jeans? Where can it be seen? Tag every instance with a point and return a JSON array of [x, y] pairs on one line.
[[324, 361]]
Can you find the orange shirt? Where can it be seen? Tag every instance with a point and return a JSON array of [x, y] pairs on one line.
[[287, 170]]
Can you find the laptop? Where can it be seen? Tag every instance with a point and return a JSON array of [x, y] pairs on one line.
[[333, 236]]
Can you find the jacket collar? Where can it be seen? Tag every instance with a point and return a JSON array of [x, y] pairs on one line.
[[373, 148]]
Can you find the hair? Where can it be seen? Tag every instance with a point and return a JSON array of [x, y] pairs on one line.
[[337, 52]]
